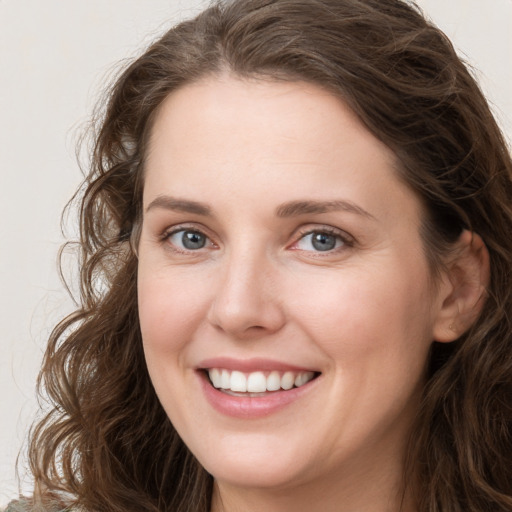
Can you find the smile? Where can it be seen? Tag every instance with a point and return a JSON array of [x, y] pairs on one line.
[[254, 388], [258, 382]]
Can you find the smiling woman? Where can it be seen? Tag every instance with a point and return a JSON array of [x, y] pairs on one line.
[[300, 215]]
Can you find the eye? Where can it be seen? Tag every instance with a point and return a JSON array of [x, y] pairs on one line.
[[320, 241], [188, 239]]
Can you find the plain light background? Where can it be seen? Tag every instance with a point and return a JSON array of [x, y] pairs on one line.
[[55, 58]]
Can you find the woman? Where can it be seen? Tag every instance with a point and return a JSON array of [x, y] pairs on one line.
[[295, 262]]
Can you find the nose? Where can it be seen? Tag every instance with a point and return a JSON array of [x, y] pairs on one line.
[[247, 303]]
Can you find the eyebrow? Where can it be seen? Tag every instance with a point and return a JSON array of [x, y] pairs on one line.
[[180, 205], [296, 208], [289, 209]]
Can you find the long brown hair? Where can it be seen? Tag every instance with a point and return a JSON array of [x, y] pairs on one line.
[[107, 444]]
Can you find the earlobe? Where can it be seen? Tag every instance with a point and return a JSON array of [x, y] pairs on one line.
[[468, 274]]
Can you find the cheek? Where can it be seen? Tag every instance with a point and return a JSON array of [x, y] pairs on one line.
[[355, 315], [170, 309]]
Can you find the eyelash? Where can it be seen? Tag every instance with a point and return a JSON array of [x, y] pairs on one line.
[[347, 241], [166, 236]]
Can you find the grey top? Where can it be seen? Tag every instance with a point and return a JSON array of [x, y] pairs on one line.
[[16, 506], [23, 506]]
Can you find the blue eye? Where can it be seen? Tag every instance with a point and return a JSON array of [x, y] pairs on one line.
[[188, 239], [320, 241]]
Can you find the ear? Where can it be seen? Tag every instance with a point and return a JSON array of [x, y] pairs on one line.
[[463, 291]]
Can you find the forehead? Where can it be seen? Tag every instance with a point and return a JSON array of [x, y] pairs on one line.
[[225, 138], [243, 110]]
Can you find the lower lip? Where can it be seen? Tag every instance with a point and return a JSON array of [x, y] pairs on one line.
[[247, 407]]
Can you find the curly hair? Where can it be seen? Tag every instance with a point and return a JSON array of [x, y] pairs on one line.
[[107, 444]]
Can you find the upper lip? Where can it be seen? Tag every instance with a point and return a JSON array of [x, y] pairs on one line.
[[251, 365]]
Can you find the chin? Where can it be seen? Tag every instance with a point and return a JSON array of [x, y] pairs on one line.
[[262, 463], [254, 475]]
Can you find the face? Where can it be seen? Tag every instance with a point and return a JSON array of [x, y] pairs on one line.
[[285, 301]]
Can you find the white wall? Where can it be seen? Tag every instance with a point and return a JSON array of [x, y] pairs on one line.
[[54, 55]]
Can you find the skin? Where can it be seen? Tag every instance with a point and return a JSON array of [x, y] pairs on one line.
[[363, 314]]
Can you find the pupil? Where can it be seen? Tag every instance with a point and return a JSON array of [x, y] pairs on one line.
[[323, 242], [193, 240]]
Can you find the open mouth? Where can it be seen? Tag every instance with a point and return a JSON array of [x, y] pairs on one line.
[[258, 383]]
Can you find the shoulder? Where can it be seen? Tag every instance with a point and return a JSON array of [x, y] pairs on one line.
[[16, 506], [24, 506]]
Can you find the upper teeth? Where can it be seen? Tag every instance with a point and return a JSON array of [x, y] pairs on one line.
[[257, 382]]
